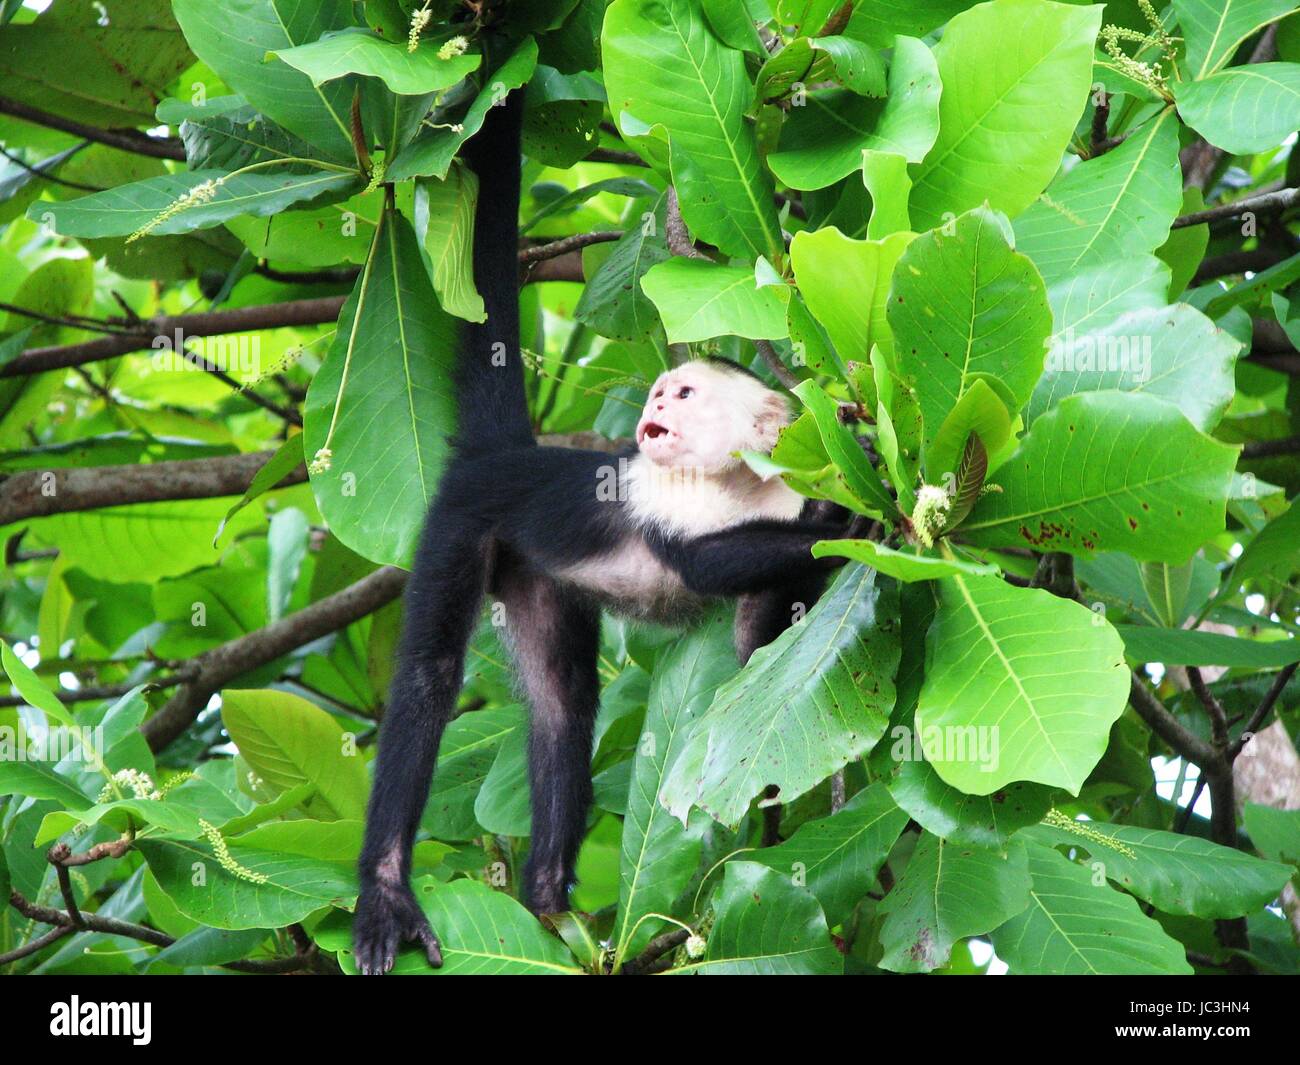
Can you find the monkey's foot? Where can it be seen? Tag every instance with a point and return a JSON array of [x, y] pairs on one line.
[[388, 916]]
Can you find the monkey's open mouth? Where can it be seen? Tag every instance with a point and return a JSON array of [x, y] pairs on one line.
[[653, 430]]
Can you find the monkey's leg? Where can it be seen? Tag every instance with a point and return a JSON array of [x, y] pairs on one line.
[[441, 607], [555, 637], [762, 616]]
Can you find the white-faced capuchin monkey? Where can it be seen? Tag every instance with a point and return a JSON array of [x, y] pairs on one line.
[[555, 534]]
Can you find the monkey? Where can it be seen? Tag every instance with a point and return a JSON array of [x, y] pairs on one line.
[[657, 532]]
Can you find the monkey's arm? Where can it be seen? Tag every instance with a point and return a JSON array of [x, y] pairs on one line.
[[752, 557]]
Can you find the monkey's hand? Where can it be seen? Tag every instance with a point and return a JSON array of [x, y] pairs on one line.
[[388, 915]]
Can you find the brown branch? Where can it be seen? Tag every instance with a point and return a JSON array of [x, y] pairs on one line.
[[61, 854], [48, 175], [1278, 200], [1100, 119], [676, 233], [286, 414], [1167, 727], [1236, 262], [37, 944], [127, 140], [217, 667], [95, 694], [1214, 708], [94, 922], [611, 155], [39, 493], [773, 362], [554, 249], [1262, 710], [662, 944]]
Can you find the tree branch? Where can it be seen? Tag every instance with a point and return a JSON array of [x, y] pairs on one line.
[[1279, 200], [662, 944], [216, 667], [556, 248], [39, 493], [127, 140], [1262, 710], [1167, 727], [94, 922]]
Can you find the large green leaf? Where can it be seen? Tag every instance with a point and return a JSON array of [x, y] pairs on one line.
[[358, 51], [904, 565], [1006, 113], [947, 892], [658, 854], [881, 21], [152, 204], [483, 933], [1244, 110], [382, 402], [1175, 873], [823, 140], [1172, 353], [972, 820], [431, 152], [234, 39], [289, 742], [765, 926], [1274, 551], [1214, 28], [444, 222], [1073, 926], [1019, 685], [263, 889], [1189, 647], [700, 300], [837, 857], [1109, 208], [808, 703], [965, 303], [106, 71], [613, 302], [1157, 498], [217, 139], [663, 65], [846, 285], [466, 755]]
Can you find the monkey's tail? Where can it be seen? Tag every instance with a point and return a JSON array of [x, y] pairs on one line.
[[490, 374]]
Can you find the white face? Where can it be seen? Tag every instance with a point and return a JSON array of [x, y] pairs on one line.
[[698, 415]]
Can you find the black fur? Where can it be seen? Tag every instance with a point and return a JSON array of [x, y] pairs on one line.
[[507, 516]]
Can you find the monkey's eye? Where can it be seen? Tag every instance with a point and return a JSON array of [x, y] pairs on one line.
[[685, 393]]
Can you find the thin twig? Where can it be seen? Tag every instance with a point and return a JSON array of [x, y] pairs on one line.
[[45, 175], [564, 245], [663, 944], [1218, 717], [127, 140], [1262, 710], [676, 233], [1278, 200]]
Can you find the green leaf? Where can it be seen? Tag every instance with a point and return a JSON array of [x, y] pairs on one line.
[[1275, 833], [664, 65], [1214, 28], [202, 888], [946, 893], [287, 458], [824, 139], [289, 742], [1109, 208], [1006, 114], [658, 854], [217, 139], [209, 946], [1244, 110], [1157, 498], [613, 302], [903, 565], [1188, 647], [633, 188], [102, 71], [1167, 588], [1172, 353], [845, 283], [1075, 926], [443, 216], [357, 51], [765, 926], [234, 40], [880, 21], [837, 857], [466, 755], [852, 63], [1020, 685], [965, 303], [431, 152], [1274, 551], [980, 410], [37, 780], [32, 688], [700, 300], [382, 402], [483, 933], [807, 704], [860, 476], [1176, 874], [886, 178], [142, 205], [970, 820]]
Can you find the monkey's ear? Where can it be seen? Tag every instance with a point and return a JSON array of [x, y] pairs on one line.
[[772, 417]]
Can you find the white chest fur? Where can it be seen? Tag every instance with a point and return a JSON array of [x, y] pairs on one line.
[[688, 502]]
